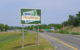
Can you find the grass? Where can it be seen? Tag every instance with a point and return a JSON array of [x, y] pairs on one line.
[[68, 32], [13, 41]]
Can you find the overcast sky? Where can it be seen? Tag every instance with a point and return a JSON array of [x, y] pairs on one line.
[[53, 11]]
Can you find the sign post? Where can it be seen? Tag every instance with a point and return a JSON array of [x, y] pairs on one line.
[[22, 35], [30, 16]]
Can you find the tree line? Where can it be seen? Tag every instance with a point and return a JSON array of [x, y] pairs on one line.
[[44, 26], [5, 27], [73, 20]]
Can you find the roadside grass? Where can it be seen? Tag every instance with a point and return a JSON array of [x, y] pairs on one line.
[[68, 32], [13, 41]]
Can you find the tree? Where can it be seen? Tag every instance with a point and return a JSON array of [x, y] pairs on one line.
[[73, 20], [2, 27], [56, 26], [6, 27]]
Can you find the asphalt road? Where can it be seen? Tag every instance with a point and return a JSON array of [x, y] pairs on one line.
[[63, 41]]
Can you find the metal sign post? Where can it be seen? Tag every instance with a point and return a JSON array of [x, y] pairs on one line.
[[22, 35]]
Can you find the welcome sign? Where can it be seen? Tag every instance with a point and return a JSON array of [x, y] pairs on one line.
[[30, 16]]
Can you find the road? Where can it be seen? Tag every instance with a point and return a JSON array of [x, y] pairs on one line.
[[63, 41]]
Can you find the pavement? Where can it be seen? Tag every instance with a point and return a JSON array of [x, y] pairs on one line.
[[63, 41]]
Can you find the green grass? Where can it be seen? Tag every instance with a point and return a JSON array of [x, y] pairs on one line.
[[13, 41]]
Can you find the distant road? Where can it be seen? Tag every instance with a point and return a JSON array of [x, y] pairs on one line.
[[63, 41]]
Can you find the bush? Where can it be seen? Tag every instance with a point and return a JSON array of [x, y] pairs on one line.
[[64, 31], [67, 32], [75, 33]]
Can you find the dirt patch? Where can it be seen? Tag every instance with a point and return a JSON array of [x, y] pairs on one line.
[[26, 45], [9, 32]]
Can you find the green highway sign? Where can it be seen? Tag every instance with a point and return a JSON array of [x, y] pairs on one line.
[[30, 16]]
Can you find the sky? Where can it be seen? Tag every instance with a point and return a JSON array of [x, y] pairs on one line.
[[53, 11]]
